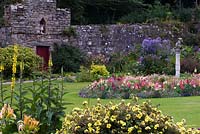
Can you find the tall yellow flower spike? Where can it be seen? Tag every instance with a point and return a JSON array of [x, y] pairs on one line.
[[14, 69], [14, 66], [50, 63], [1, 67]]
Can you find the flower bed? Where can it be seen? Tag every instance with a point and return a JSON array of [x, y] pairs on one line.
[[144, 87]]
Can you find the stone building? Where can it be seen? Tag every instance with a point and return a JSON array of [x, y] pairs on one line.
[[34, 23]]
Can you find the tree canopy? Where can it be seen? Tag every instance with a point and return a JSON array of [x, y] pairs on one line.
[[114, 11]]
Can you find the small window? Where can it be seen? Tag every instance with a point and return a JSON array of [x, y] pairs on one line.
[[42, 26]]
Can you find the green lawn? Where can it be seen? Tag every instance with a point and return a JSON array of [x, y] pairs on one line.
[[180, 108]]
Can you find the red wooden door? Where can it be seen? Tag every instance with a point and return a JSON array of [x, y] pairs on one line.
[[43, 51]]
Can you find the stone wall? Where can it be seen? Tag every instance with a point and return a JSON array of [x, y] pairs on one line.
[[107, 39]]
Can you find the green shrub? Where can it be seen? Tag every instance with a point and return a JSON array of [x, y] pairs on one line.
[[98, 71], [122, 118], [69, 32], [95, 72], [197, 14], [189, 64], [154, 13], [135, 17], [124, 63], [25, 54], [184, 15], [84, 75], [70, 57]]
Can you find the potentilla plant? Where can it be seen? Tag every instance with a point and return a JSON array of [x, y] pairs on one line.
[[122, 118]]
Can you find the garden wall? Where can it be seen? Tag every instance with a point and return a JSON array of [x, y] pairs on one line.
[[107, 39], [96, 39]]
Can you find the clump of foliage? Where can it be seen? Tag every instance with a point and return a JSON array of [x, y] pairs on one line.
[[69, 32], [156, 57], [95, 72], [122, 118], [98, 71], [190, 60], [26, 55], [70, 57], [124, 63]]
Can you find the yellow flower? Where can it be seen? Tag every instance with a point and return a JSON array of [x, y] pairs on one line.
[[122, 123], [113, 107], [147, 128], [135, 126], [90, 129], [108, 126], [139, 116], [12, 83], [135, 108], [128, 116], [113, 118], [1, 67], [86, 131], [105, 121], [50, 64], [130, 129], [148, 119], [77, 127], [142, 123], [89, 124], [139, 131], [156, 126], [85, 103], [97, 123]]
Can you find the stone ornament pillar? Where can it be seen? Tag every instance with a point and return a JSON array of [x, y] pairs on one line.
[[178, 53]]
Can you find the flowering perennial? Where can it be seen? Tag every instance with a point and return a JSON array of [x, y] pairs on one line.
[[7, 116], [28, 125]]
